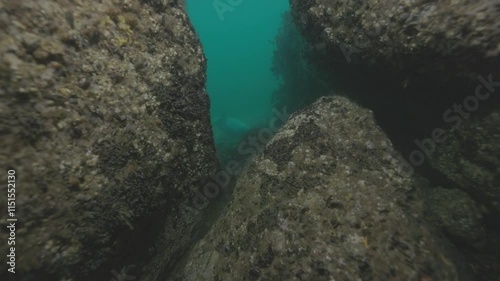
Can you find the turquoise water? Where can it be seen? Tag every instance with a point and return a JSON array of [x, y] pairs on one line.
[[237, 38]]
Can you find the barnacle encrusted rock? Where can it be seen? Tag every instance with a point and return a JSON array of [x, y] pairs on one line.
[[330, 200], [105, 119]]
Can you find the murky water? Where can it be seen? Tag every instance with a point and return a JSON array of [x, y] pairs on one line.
[[238, 41]]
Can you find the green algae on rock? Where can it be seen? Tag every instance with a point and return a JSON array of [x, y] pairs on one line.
[[105, 118]]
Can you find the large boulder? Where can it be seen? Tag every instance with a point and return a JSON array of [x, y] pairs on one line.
[[458, 215], [329, 199], [440, 38], [105, 120], [421, 66]]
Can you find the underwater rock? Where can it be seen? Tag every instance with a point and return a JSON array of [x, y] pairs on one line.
[[422, 67], [408, 61], [228, 131], [440, 39], [232, 125], [470, 158], [458, 215], [328, 199], [105, 120]]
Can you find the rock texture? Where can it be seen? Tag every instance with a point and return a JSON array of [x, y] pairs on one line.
[[104, 117], [471, 159], [458, 215], [418, 59], [441, 38], [422, 66], [327, 200]]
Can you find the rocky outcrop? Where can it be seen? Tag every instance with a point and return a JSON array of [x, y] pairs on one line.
[[424, 65], [442, 38], [329, 199], [104, 118], [430, 72]]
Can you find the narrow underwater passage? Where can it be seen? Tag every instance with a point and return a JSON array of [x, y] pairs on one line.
[[238, 41]]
